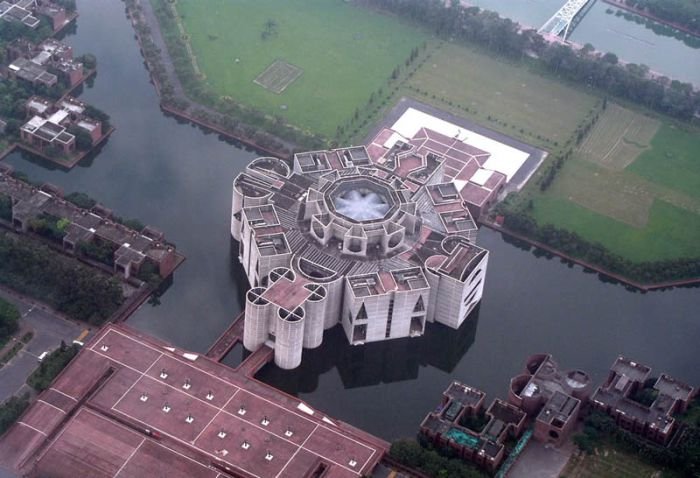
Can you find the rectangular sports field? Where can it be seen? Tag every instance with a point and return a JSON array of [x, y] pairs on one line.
[[345, 53], [633, 185], [455, 77]]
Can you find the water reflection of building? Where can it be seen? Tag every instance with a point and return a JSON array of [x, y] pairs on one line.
[[376, 363], [338, 239]]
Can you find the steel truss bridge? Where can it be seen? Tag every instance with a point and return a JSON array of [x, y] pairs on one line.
[[560, 23]]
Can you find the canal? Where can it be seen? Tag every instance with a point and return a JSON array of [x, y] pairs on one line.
[[608, 29], [178, 178]]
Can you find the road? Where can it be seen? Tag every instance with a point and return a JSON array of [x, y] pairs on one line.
[[49, 330]]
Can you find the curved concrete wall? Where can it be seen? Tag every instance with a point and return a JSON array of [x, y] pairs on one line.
[[256, 322], [315, 313], [334, 302], [289, 339], [236, 207]]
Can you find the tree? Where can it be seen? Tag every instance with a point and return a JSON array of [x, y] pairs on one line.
[[9, 320], [11, 410], [83, 140], [88, 60]]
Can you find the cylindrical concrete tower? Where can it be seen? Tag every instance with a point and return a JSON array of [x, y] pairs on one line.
[[431, 263], [315, 313], [334, 302], [236, 207], [289, 338], [256, 325]]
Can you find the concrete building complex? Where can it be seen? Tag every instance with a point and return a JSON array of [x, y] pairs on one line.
[[45, 64], [49, 123], [130, 405], [655, 421], [544, 398], [481, 164], [553, 398], [381, 248], [130, 249], [29, 12], [455, 424]]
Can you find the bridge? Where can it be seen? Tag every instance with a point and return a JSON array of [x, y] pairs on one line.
[[561, 22]]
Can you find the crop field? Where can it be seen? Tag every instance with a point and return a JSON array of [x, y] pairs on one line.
[[673, 160], [456, 77], [632, 185], [617, 195], [610, 463], [619, 137], [346, 53]]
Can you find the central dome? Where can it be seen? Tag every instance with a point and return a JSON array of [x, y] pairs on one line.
[[361, 204]]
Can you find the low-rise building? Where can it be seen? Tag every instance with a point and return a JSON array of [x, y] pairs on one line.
[[460, 423], [44, 64], [655, 421], [19, 11], [553, 398], [49, 123], [482, 165], [132, 405], [130, 249], [28, 13]]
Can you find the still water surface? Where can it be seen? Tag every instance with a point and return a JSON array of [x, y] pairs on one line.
[[631, 39], [177, 178]]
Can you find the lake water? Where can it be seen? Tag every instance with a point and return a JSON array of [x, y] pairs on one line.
[[635, 41], [178, 178]]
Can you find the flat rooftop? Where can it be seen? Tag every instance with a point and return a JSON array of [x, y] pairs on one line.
[[464, 394], [130, 405]]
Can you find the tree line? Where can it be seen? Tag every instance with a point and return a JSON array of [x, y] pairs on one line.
[[428, 461], [683, 456], [9, 321], [685, 13], [51, 366], [519, 220], [76, 290], [505, 37]]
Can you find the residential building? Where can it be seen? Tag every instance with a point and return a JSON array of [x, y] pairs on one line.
[[460, 424], [655, 421]]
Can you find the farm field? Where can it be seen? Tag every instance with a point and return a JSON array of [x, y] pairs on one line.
[[672, 161], [335, 58], [601, 195], [610, 463], [457, 76]]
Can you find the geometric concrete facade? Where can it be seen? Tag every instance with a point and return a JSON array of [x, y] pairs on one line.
[[551, 396], [379, 248]]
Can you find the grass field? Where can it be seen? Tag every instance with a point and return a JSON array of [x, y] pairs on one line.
[[673, 161], [610, 463], [670, 233], [278, 76], [458, 76], [632, 186], [346, 53], [619, 137]]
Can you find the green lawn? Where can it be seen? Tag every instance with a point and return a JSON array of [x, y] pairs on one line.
[[671, 232], [642, 203], [673, 161], [611, 463], [475, 85], [346, 54]]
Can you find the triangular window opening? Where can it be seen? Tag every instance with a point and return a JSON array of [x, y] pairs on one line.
[[362, 313], [419, 305]]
